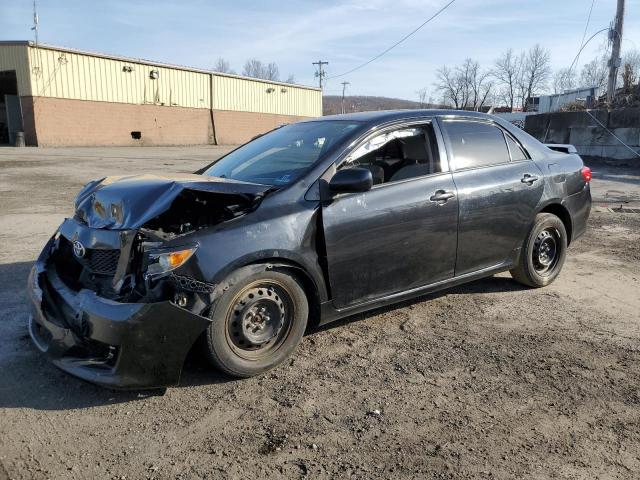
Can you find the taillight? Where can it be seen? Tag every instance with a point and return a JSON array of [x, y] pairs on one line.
[[586, 174]]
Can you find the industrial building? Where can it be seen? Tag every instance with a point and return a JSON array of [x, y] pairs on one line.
[[553, 103], [59, 97]]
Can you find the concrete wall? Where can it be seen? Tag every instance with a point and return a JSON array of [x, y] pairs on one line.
[[589, 138]]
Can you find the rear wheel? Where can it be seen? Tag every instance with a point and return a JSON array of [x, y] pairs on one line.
[[543, 252], [257, 323]]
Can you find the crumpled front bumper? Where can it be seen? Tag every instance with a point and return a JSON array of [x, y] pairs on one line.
[[116, 345]]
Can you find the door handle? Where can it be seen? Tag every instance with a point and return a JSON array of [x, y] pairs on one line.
[[441, 197], [529, 179]]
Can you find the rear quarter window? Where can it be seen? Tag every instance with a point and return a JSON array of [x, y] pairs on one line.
[[475, 144], [517, 154]]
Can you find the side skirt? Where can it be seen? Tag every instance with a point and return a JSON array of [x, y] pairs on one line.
[[330, 314]]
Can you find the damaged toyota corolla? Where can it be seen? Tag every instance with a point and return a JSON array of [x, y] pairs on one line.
[[306, 224]]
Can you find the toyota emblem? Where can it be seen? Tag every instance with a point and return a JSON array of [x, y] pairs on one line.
[[78, 249]]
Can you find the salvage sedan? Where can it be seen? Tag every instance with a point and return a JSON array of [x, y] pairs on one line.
[[306, 224]]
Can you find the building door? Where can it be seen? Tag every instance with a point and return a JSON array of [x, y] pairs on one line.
[[10, 108], [14, 116]]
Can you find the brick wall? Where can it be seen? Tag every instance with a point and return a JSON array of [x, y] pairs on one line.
[[62, 122], [66, 122], [233, 127]]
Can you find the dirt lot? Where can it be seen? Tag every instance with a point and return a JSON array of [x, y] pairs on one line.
[[488, 380]]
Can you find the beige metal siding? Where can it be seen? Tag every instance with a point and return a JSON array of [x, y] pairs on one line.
[[69, 74], [240, 94], [61, 74], [14, 57]]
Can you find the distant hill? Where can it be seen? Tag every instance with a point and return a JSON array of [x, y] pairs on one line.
[[332, 104]]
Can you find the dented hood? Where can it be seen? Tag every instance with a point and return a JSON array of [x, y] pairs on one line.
[[128, 202]]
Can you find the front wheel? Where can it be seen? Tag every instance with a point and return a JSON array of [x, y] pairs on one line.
[[543, 252], [257, 323]]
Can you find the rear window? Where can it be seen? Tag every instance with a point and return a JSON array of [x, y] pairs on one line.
[[475, 144]]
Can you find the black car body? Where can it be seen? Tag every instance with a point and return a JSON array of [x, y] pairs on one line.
[[375, 208]]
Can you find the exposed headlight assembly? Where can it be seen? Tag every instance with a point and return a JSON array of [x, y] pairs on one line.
[[165, 261]]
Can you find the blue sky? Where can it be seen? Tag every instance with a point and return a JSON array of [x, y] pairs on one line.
[[295, 33]]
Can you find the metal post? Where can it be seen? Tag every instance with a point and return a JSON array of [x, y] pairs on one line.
[[344, 86], [615, 35]]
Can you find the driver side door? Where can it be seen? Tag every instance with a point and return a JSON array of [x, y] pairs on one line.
[[401, 234]]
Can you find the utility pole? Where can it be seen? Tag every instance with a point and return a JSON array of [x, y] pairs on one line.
[[615, 36], [320, 73], [344, 86]]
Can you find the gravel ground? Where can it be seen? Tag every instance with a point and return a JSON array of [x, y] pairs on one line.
[[489, 380]]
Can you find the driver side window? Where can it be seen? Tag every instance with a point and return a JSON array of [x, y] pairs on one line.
[[400, 154]]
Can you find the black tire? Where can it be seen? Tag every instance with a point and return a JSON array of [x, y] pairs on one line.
[[543, 252], [257, 323]]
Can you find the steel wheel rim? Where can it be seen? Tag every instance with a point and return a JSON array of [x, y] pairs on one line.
[[259, 319], [546, 251]]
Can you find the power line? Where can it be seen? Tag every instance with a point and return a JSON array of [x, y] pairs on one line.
[[582, 48], [395, 44], [586, 27]]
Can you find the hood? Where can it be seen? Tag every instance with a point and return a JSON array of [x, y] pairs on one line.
[[129, 202]]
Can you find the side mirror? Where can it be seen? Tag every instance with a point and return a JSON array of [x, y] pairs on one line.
[[351, 180]]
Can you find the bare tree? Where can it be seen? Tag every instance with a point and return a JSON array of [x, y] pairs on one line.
[[486, 94], [478, 84], [256, 69], [451, 85], [594, 73], [467, 86], [631, 68], [422, 96], [564, 79], [291, 79], [507, 70], [271, 72], [534, 74], [223, 66]]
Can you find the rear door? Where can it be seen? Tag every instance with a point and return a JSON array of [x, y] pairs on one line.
[[402, 233], [499, 188]]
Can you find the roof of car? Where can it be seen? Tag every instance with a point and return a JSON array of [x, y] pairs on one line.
[[390, 115]]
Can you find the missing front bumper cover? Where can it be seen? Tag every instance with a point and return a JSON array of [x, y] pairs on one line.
[[119, 345]]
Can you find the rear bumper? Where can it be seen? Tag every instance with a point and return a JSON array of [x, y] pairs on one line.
[[117, 345]]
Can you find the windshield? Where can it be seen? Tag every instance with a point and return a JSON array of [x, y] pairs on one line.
[[283, 155]]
